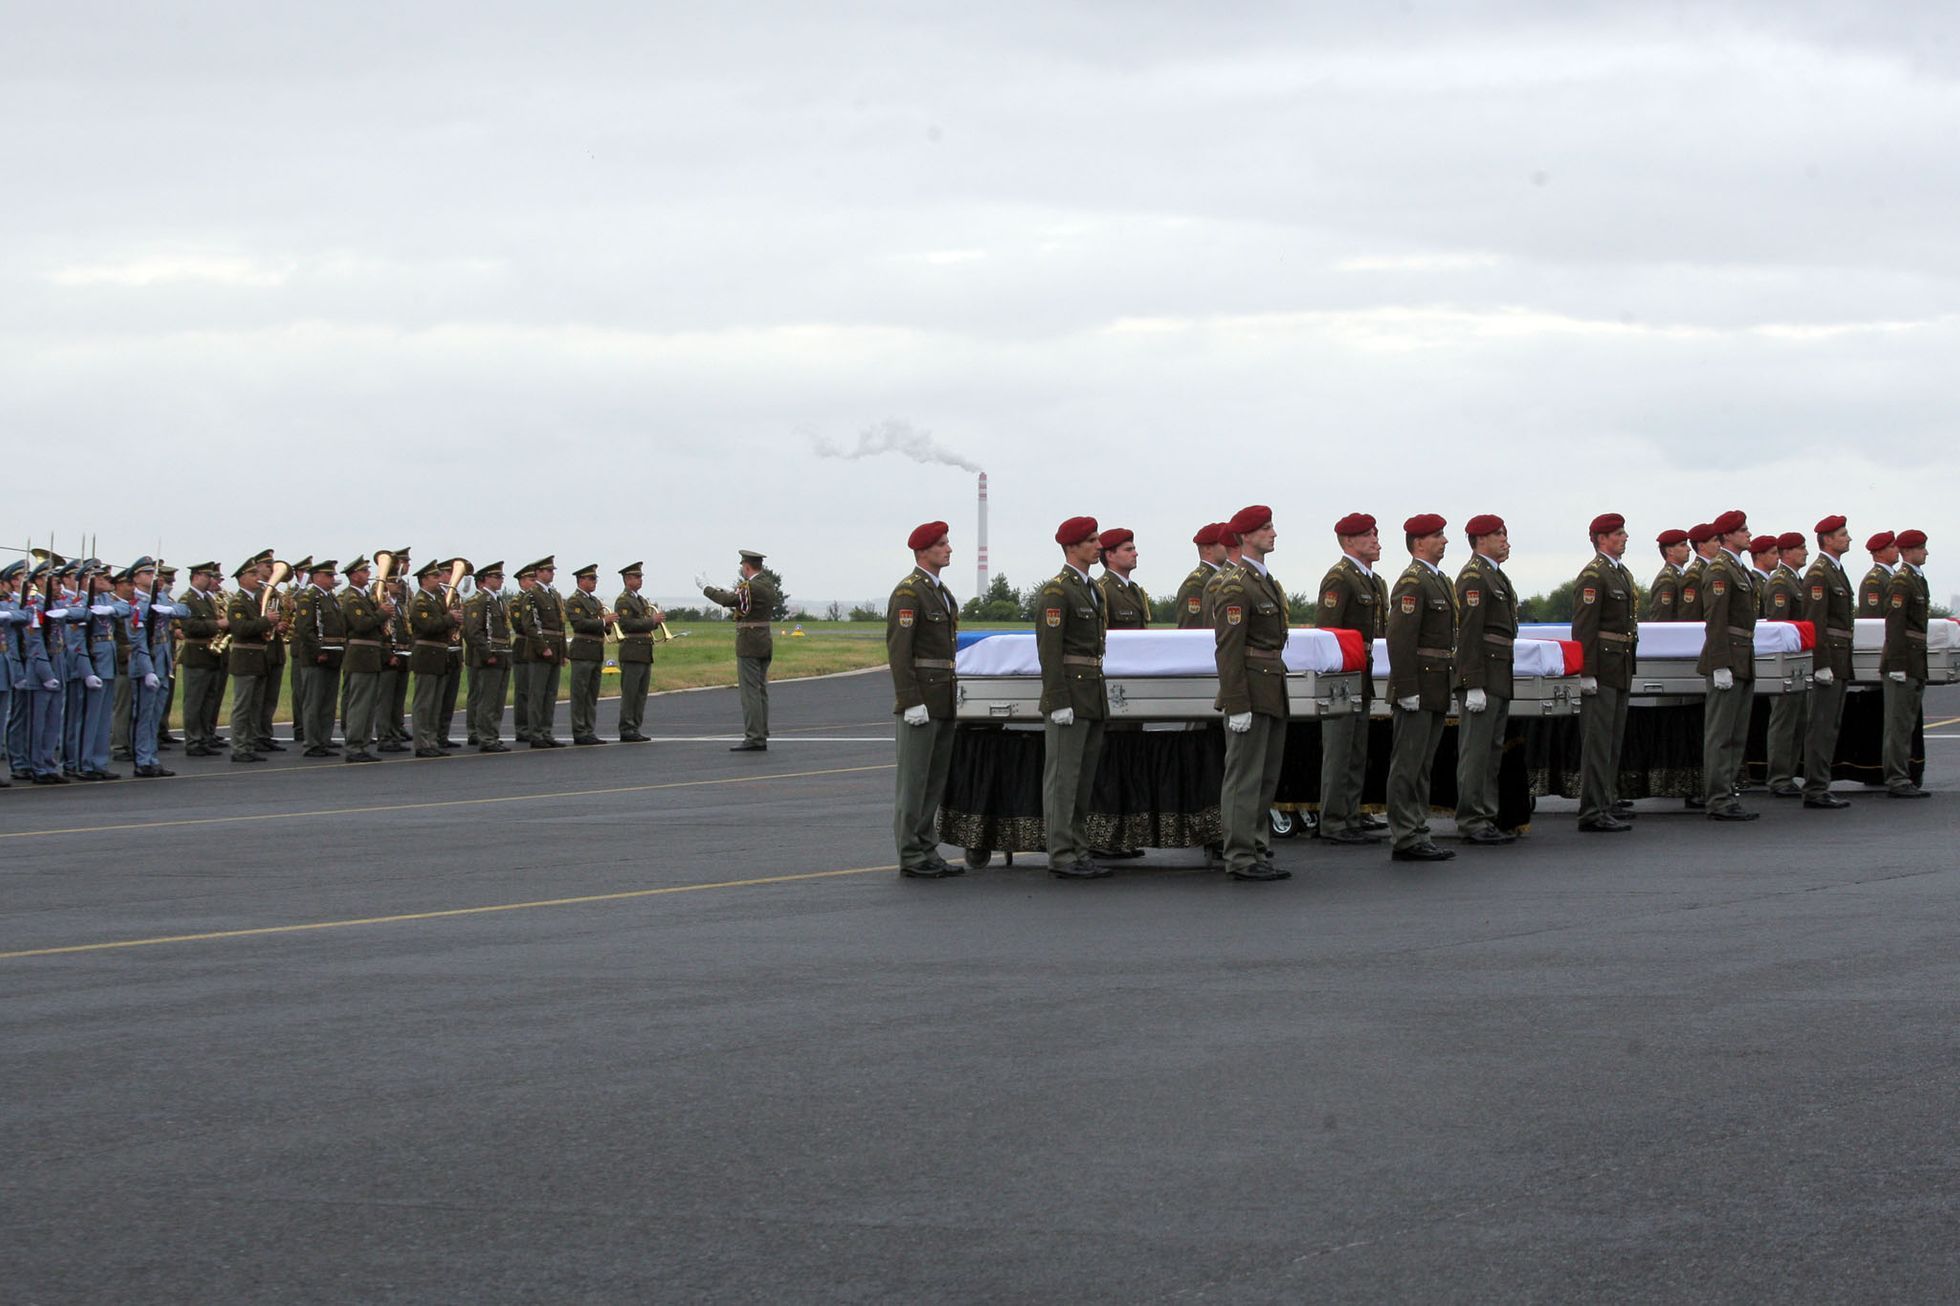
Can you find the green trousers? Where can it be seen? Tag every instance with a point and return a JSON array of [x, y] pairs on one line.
[[1902, 704], [585, 698], [1821, 736], [297, 671], [1479, 757], [1787, 719], [1343, 770], [321, 688], [1411, 758], [1068, 778], [363, 696], [452, 685], [201, 705], [1252, 764], [634, 678], [925, 758], [522, 674], [247, 701], [392, 706], [268, 704], [1602, 734], [1724, 733], [125, 713], [543, 699], [428, 711], [487, 702], [754, 673]]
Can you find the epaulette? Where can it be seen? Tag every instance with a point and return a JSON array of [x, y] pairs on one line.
[[906, 590]]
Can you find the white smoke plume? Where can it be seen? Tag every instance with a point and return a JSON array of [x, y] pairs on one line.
[[894, 436]]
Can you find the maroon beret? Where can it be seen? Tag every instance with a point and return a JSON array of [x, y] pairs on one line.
[[1484, 523], [1250, 518], [1227, 536], [1207, 534], [1912, 539], [1829, 524], [924, 537], [1791, 540], [1606, 523], [1355, 523], [1075, 530], [1701, 534], [1764, 544], [1880, 542], [1423, 523], [1732, 520], [1116, 535], [1671, 536]]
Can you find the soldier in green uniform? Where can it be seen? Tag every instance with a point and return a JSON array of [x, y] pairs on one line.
[[392, 694], [1884, 548], [587, 618], [366, 626], [544, 614], [1831, 607], [487, 644], [1702, 539], [1421, 653], [1190, 592], [524, 659], [251, 633], [1249, 626], [276, 653], [1487, 630], [921, 627], [320, 643], [452, 679], [202, 667], [1125, 604], [1604, 627], [297, 668], [1782, 600], [1068, 637], [1728, 660], [1664, 597], [1908, 605], [1352, 597], [167, 578], [637, 621], [753, 602], [434, 625], [1208, 596]]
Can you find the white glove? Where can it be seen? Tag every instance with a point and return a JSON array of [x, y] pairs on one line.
[[1823, 676], [50, 684], [92, 681], [150, 681], [1239, 722], [916, 716], [1724, 678], [103, 609], [1588, 684], [56, 614], [1896, 677], [1063, 716], [1409, 704], [1475, 701]]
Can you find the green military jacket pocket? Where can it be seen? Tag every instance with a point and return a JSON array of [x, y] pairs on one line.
[[1068, 638], [429, 622], [1249, 632], [586, 616], [634, 616], [1421, 638], [1832, 609], [367, 632], [921, 632]]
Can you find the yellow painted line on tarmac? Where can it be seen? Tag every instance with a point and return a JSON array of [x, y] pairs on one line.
[[447, 914], [244, 817], [1950, 721]]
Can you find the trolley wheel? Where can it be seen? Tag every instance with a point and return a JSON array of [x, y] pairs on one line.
[[1283, 824], [977, 858]]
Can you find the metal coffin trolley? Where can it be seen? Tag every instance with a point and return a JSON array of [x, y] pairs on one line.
[[1942, 650]]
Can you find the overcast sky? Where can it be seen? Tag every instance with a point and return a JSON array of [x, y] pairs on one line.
[[500, 279]]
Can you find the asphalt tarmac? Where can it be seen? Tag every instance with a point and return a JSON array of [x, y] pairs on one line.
[[660, 1022]]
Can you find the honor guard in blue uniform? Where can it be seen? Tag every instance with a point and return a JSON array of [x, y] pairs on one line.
[[46, 654], [12, 673], [98, 637], [149, 664], [73, 619]]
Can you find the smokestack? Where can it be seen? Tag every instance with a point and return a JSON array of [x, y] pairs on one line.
[[980, 583]]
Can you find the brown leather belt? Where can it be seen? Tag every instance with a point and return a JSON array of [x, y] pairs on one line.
[[1266, 654], [432, 643], [1436, 652], [751, 625], [196, 643], [1834, 631], [1080, 660], [1919, 635], [1745, 632], [1503, 641], [1615, 636], [934, 664], [363, 643]]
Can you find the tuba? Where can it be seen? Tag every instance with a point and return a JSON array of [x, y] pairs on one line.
[[269, 597], [460, 569], [384, 569]]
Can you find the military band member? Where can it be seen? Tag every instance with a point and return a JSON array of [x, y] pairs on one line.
[[392, 693], [1728, 659], [365, 626], [1125, 604], [452, 679], [921, 630], [433, 623], [297, 668], [1421, 657], [1487, 631], [587, 617], [1352, 597], [1664, 596], [753, 601], [545, 612], [319, 644], [1190, 592], [1702, 540], [122, 709], [1249, 625], [251, 632], [1069, 640], [1908, 605], [280, 610], [524, 660], [1605, 626], [1782, 600], [1830, 605], [1872, 590], [203, 669], [638, 621], [487, 650]]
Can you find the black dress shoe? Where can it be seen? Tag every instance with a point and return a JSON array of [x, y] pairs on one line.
[[197, 750], [943, 866], [23, 776], [636, 738], [1786, 791], [52, 779], [1623, 808], [102, 775], [246, 757], [588, 741], [470, 741], [930, 872], [153, 772], [1697, 804], [1353, 837], [493, 748], [1732, 814], [73, 773], [1907, 793], [547, 743], [446, 743], [1369, 821], [1116, 854], [1422, 852], [1080, 870], [1259, 871], [272, 746], [122, 755], [316, 751], [1828, 801], [430, 752], [362, 756], [1604, 825], [1489, 838], [392, 748], [750, 748]]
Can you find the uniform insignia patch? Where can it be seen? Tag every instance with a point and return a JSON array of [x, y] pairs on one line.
[[1721, 588], [1667, 597], [905, 616], [1233, 614], [1871, 600], [1193, 603], [1782, 600], [1898, 600], [1816, 593], [1474, 598], [1408, 604], [1589, 595], [1332, 598], [1688, 594], [1053, 616]]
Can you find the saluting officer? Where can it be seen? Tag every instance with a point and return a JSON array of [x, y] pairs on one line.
[[1782, 600], [637, 620], [1125, 604], [432, 623], [1664, 597], [753, 602], [1908, 603], [1487, 614], [1074, 703], [1352, 597], [251, 632], [1190, 593], [1249, 624], [1831, 607], [1608, 634], [364, 624], [1728, 659], [1421, 654], [921, 632], [487, 642], [587, 617], [1884, 548]]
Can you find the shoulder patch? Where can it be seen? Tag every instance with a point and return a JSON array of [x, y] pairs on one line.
[[1194, 603], [1332, 598], [1816, 593], [1898, 600], [1233, 614], [1589, 595], [1871, 599], [1053, 616], [905, 616], [1473, 597], [1408, 604]]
